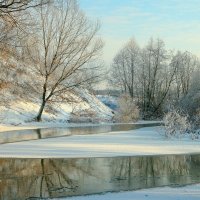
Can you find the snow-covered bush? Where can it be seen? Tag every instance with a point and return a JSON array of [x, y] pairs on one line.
[[176, 124], [127, 111], [195, 125], [191, 103]]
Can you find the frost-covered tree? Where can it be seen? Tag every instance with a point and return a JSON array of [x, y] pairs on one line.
[[14, 18], [187, 66], [63, 51], [145, 74], [176, 124], [156, 77], [125, 66]]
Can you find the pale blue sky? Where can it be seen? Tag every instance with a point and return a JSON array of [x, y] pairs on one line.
[[177, 22]]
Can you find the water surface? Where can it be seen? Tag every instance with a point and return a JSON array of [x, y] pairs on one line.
[[53, 178], [35, 134]]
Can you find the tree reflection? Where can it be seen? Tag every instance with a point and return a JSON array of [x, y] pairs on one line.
[[52, 178], [38, 178], [144, 172]]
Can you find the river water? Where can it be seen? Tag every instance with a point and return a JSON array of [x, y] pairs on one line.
[[35, 134], [53, 178]]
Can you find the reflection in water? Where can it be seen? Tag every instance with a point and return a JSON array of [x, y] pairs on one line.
[[42, 178], [21, 135]]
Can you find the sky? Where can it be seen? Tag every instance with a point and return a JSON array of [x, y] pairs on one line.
[[177, 22]]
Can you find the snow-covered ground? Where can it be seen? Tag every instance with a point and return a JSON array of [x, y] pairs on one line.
[[87, 108], [182, 193], [144, 141], [19, 104], [110, 101]]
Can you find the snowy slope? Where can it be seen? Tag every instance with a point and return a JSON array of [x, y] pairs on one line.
[[109, 101], [102, 111], [19, 105], [20, 111]]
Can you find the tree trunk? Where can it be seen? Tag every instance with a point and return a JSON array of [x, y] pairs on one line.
[[39, 116], [44, 100]]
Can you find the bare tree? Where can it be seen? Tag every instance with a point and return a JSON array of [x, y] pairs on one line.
[[124, 67], [14, 19], [63, 52], [146, 75], [11, 6], [187, 66], [12, 10]]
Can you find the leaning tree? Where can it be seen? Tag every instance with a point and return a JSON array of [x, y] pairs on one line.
[[63, 51]]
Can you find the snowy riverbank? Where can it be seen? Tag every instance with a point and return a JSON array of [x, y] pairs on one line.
[[144, 141]]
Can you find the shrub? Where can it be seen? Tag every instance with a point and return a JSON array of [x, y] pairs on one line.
[[176, 124], [195, 125], [127, 110]]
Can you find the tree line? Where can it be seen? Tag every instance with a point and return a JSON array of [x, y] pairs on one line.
[[156, 78]]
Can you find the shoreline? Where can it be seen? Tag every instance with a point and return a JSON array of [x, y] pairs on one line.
[[38, 125]]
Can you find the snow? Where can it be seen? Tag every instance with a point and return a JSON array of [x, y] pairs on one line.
[[144, 141], [19, 106], [20, 112], [191, 192], [108, 100], [96, 104]]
